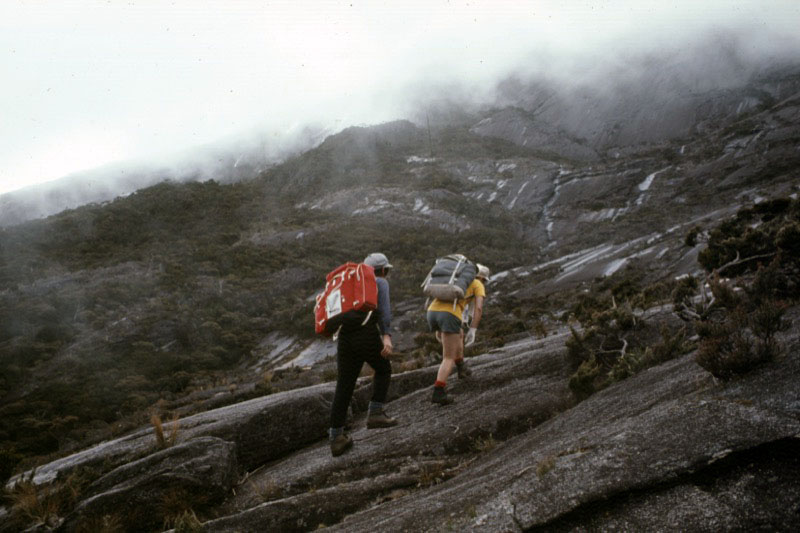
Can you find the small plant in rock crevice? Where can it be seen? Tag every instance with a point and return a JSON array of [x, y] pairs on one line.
[[164, 441], [177, 508], [431, 474], [187, 522], [545, 465], [484, 444], [267, 491], [48, 503], [33, 504]]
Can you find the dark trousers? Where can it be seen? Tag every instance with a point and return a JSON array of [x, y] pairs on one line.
[[354, 349]]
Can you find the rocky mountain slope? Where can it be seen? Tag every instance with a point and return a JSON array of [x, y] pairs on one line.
[[193, 303]]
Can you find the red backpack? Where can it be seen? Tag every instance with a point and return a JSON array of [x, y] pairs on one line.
[[350, 287]]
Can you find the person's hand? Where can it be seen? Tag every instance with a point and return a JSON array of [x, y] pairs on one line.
[[387, 346], [469, 340]]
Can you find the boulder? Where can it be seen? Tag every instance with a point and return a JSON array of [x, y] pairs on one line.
[[262, 429], [143, 493]]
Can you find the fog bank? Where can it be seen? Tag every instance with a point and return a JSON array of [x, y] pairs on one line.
[[97, 82]]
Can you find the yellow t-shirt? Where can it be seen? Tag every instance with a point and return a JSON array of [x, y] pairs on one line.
[[475, 288]]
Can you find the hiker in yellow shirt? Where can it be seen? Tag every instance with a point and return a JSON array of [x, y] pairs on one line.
[[446, 320]]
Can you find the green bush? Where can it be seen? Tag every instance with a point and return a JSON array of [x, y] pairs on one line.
[[691, 237], [587, 379], [578, 347], [626, 365], [753, 235], [743, 341]]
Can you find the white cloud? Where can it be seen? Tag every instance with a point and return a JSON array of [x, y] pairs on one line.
[[86, 82]]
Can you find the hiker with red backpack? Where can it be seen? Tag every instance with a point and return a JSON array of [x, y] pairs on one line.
[[363, 335], [454, 283]]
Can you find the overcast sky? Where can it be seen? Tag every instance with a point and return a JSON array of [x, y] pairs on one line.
[[85, 83]]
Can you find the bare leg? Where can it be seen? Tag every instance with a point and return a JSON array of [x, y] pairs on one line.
[[450, 351]]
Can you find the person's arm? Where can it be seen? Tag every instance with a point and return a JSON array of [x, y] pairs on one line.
[[480, 295], [476, 316], [469, 338], [387, 345], [384, 316]]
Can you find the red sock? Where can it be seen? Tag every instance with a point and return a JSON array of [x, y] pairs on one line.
[[440, 384]]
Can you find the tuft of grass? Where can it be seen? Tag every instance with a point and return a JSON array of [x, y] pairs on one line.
[[158, 428], [329, 374], [545, 465], [176, 510], [163, 441], [33, 504], [187, 522], [484, 444], [267, 491], [431, 474]]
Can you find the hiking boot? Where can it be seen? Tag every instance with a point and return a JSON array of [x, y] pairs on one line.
[[379, 419], [440, 396], [340, 444], [463, 370]]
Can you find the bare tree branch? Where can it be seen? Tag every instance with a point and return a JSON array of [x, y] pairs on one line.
[[738, 261]]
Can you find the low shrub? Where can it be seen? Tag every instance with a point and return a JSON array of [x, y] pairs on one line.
[[727, 351], [587, 379], [691, 237], [742, 341]]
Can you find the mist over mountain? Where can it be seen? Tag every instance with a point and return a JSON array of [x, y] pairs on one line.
[[639, 348], [598, 102], [225, 161]]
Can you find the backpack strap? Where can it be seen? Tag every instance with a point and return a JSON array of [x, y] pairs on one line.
[[455, 270], [427, 279], [367, 319]]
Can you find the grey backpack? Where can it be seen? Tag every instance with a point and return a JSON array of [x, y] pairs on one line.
[[449, 278]]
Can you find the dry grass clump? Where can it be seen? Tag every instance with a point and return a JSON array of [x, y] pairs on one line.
[[163, 441], [45, 505]]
